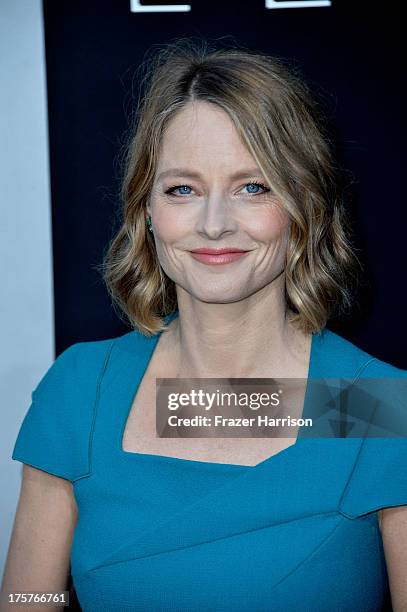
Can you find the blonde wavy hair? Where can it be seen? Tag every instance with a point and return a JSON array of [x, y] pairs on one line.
[[281, 124]]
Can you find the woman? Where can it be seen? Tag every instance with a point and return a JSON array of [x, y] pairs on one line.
[[232, 257]]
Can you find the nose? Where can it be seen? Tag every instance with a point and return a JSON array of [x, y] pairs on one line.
[[216, 217]]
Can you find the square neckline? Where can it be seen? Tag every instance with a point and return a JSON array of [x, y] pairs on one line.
[[132, 456]]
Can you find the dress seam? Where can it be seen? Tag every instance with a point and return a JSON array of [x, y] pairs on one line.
[[240, 533], [311, 554], [355, 465], [95, 409]]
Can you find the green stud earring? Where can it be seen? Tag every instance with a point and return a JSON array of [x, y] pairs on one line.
[[149, 224]]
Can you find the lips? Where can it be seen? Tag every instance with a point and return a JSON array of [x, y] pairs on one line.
[[218, 256], [218, 251]]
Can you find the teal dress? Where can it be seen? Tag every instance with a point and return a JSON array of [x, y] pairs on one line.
[[298, 531]]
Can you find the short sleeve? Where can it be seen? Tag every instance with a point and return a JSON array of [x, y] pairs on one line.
[[53, 434], [379, 476]]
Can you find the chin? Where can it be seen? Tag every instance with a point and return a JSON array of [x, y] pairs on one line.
[[218, 297]]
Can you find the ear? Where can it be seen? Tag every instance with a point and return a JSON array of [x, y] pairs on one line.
[[148, 209]]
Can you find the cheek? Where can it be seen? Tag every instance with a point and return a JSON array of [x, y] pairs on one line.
[[169, 225], [270, 226]]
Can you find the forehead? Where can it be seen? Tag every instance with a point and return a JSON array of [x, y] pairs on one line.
[[202, 134]]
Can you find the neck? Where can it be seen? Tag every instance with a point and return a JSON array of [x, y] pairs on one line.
[[249, 338]]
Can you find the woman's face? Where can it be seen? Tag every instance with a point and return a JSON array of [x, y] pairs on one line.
[[208, 194]]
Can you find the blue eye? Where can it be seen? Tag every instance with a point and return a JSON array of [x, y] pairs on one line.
[[256, 184], [182, 189], [171, 190]]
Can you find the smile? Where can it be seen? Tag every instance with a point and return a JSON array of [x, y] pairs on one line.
[[217, 257]]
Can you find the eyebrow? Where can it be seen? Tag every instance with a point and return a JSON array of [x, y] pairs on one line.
[[196, 175]]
